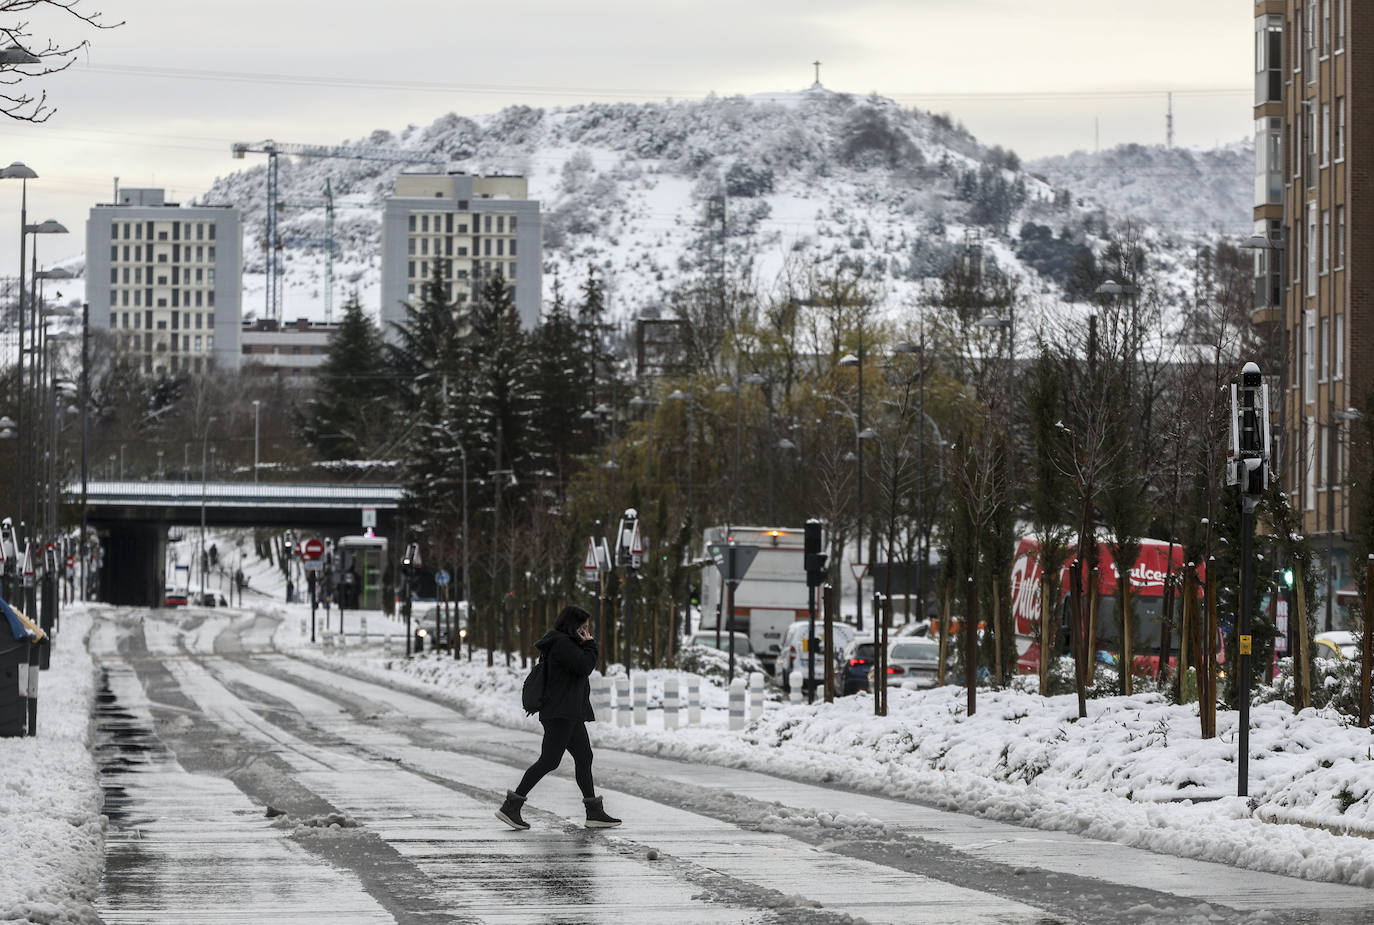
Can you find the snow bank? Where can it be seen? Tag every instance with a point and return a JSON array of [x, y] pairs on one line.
[[51, 823]]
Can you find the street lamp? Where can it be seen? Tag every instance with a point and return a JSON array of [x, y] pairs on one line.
[[857, 361], [256, 408], [726, 388], [204, 443]]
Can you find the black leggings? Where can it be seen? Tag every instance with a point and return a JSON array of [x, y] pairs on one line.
[[562, 735]]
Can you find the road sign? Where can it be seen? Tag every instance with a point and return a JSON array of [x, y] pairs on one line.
[[312, 548], [860, 569], [733, 561], [369, 517], [590, 564], [441, 577], [313, 565]]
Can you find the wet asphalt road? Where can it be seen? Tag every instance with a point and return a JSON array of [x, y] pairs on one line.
[[246, 786]]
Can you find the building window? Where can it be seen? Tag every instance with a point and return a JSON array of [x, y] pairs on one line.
[[1311, 248], [1309, 347], [1268, 65], [1326, 134], [1326, 28], [1340, 237], [512, 218], [500, 246], [462, 205], [1340, 128], [1310, 65], [512, 247], [1311, 480], [411, 222], [424, 223], [1324, 352], [1326, 240], [1338, 348], [410, 269], [1310, 127], [462, 252], [486, 224], [212, 232], [1340, 25]]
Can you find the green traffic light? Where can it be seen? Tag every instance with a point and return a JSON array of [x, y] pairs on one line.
[[1288, 577]]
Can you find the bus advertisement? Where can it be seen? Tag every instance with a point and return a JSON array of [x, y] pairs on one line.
[[1156, 560]]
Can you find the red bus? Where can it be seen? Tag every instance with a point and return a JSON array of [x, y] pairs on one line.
[[1147, 602]]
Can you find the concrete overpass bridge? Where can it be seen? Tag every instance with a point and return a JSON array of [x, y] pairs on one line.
[[134, 517]]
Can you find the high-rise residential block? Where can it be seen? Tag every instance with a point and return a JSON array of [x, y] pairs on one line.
[[1313, 60], [166, 281], [472, 228]]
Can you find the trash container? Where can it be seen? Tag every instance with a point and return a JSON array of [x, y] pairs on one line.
[[15, 640]]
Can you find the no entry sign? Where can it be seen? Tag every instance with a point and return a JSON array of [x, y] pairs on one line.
[[312, 548]]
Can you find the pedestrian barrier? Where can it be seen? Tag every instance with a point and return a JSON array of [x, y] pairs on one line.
[[388, 644], [363, 619], [641, 685], [693, 701], [671, 702], [794, 681], [737, 694], [601, 699], [622, 701], [755, 696]]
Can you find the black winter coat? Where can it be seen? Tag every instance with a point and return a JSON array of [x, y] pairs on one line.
[[570, 664]]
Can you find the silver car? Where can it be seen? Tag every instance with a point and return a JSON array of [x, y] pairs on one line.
[[912, 662]]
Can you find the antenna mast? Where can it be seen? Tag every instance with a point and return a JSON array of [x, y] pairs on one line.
[[1169, 124]]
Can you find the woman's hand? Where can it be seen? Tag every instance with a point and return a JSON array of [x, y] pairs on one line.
[[584, 633]]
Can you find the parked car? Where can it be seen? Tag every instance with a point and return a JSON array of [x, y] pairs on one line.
[[914, 628], [1337, 644], [173, 598], [856, 661], [911, 662], [795, 654], [708, 638]]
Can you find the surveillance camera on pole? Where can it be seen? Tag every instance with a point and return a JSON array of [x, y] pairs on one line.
[[1248, 468]]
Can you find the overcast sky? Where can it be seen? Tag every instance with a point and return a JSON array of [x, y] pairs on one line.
[[158, 101]]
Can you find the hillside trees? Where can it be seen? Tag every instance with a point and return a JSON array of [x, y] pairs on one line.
[[347, 417]]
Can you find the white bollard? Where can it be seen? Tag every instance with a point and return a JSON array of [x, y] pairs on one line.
[[671, 703], [693, 701], [364, 622], [601, 699], [641, 686], [794, 680], [738, 691], [622, 701], [387, 648], [755, 696]]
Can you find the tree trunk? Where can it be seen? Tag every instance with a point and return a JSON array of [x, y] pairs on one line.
[[1047, 633], [970, 631], [1127, 655], [944, 637]]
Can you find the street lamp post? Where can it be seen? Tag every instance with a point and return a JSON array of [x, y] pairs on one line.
[[858, 362], [257, 403], [18, 171], [204, 443]]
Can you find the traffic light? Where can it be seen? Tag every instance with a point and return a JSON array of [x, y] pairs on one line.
[[1288, 577], [813, 559]]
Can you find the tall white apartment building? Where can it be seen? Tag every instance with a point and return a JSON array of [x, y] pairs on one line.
[[166, 280], [474, 226]]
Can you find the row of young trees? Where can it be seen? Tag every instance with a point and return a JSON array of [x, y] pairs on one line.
[[1102, 419]]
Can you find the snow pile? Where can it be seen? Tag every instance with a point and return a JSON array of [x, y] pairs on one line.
[[51, 824]]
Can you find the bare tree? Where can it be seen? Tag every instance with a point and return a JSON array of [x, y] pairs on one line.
[[24, 60]]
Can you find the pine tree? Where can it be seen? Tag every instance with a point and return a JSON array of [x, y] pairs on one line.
[[347, 418], [563, 378]]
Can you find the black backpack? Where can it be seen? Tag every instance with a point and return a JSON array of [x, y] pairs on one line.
[[536, 686]]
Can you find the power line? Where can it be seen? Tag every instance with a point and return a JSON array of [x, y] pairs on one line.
[[351, 82]]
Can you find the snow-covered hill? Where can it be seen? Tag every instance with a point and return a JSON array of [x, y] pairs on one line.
[[812, 178], [1171, 187]]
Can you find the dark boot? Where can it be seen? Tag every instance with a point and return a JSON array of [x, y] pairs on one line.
[[509, 813], [596, 815]]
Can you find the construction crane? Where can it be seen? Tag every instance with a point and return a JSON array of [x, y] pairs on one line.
[[327, 242], [272, 243]]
